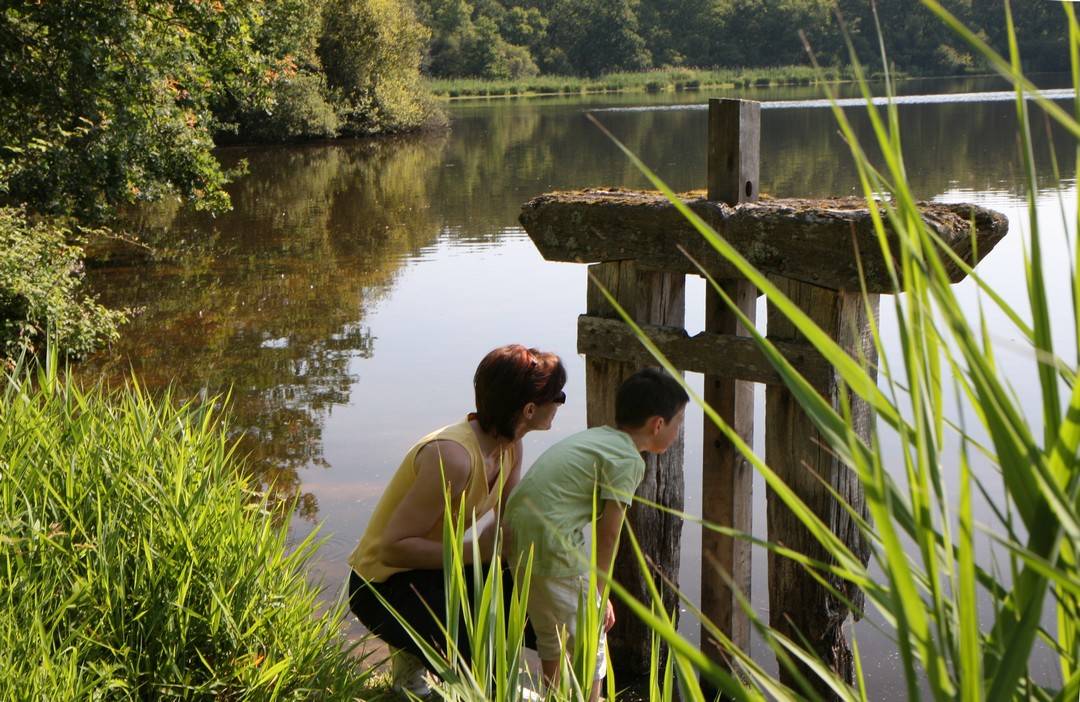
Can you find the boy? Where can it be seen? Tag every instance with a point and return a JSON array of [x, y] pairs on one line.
[[554, 502]]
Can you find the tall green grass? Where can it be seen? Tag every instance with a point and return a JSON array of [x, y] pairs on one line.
[[945, 400], [944, 388], [135, 563]]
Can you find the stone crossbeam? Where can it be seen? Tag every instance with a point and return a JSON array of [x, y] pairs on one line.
[[812, 241]]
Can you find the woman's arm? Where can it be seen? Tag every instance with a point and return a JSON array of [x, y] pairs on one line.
[[510, 481], [513, 477], [404, 542]]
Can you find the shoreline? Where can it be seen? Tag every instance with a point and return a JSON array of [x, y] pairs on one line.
[[652, 82]]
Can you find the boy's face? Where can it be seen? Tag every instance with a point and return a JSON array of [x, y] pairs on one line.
[[667, 432]]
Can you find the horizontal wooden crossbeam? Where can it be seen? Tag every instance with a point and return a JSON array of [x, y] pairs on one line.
[[721, 355], [814, 241]]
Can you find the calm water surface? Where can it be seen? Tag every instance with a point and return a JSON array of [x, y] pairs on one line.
[[350, 293]]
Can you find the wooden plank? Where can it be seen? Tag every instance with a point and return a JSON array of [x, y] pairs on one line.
[[813, 241], [798, 605], [727, 480], [657, 298], [724, 355], [734, 160]]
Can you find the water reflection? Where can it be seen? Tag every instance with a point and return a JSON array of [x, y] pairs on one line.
[[269, 299]]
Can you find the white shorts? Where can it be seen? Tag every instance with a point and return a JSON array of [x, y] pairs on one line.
[[553, 610]]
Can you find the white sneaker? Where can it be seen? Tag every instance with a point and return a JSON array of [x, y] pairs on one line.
[[526, 688], [408, 675]]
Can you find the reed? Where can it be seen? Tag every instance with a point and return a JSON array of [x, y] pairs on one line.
[[136, 562], [946, 402], [657, 80]]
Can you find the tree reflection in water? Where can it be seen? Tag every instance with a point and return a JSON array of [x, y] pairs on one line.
[[269, 300]]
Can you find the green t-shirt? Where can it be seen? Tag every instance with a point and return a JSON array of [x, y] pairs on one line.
[[554, 501]]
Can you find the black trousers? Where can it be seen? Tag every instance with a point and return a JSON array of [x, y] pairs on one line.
[[412, 593]]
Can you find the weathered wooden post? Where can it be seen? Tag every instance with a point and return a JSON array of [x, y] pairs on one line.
[[651, 297], [817, 251], [726, 476], [799, 606]]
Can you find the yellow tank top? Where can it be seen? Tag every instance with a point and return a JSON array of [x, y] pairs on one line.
[[476, 497]]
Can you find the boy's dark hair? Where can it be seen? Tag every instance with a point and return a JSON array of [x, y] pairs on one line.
[[510, 377], [648, 393]]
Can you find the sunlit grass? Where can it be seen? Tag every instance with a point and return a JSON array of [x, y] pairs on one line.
[[136, 564], [655, 81]]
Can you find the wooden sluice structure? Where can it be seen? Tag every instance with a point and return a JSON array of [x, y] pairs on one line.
[[813, 250]]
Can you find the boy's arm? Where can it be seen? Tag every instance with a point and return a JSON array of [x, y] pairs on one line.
[[608, 528]]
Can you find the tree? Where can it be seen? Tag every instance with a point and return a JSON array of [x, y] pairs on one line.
[[370, 51], [108, 103], [597, 36], [297, 104]]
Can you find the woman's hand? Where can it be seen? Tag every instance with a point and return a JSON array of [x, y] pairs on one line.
[[609, 616]]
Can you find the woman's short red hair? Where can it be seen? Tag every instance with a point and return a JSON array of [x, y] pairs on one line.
[[508, 378]]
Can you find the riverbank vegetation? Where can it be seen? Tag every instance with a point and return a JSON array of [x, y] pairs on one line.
[[135, 562], [510, 40], [653, 81]]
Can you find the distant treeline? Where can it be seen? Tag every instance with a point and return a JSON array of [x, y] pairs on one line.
[[499, 39]]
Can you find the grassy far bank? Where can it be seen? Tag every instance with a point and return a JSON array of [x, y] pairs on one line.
[[656, 81], [135, 562]]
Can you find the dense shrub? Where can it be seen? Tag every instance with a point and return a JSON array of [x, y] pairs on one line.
[[40, 276], [298, 109], [370, 51], [108, 103], [134, 564]]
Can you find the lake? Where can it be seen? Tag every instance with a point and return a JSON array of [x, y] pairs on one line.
[[348, 296]]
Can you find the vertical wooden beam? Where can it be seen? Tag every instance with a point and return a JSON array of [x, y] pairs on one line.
[[734, 150], [726, 477], [798, 605], [653, 298]]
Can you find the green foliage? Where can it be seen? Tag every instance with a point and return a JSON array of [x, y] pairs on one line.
[[299, 109], [591, 38], [108, 103], [370, 51], [40, 275], [480, 41], [135, 563], [659, 79], [597, 37], [294, 103]]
